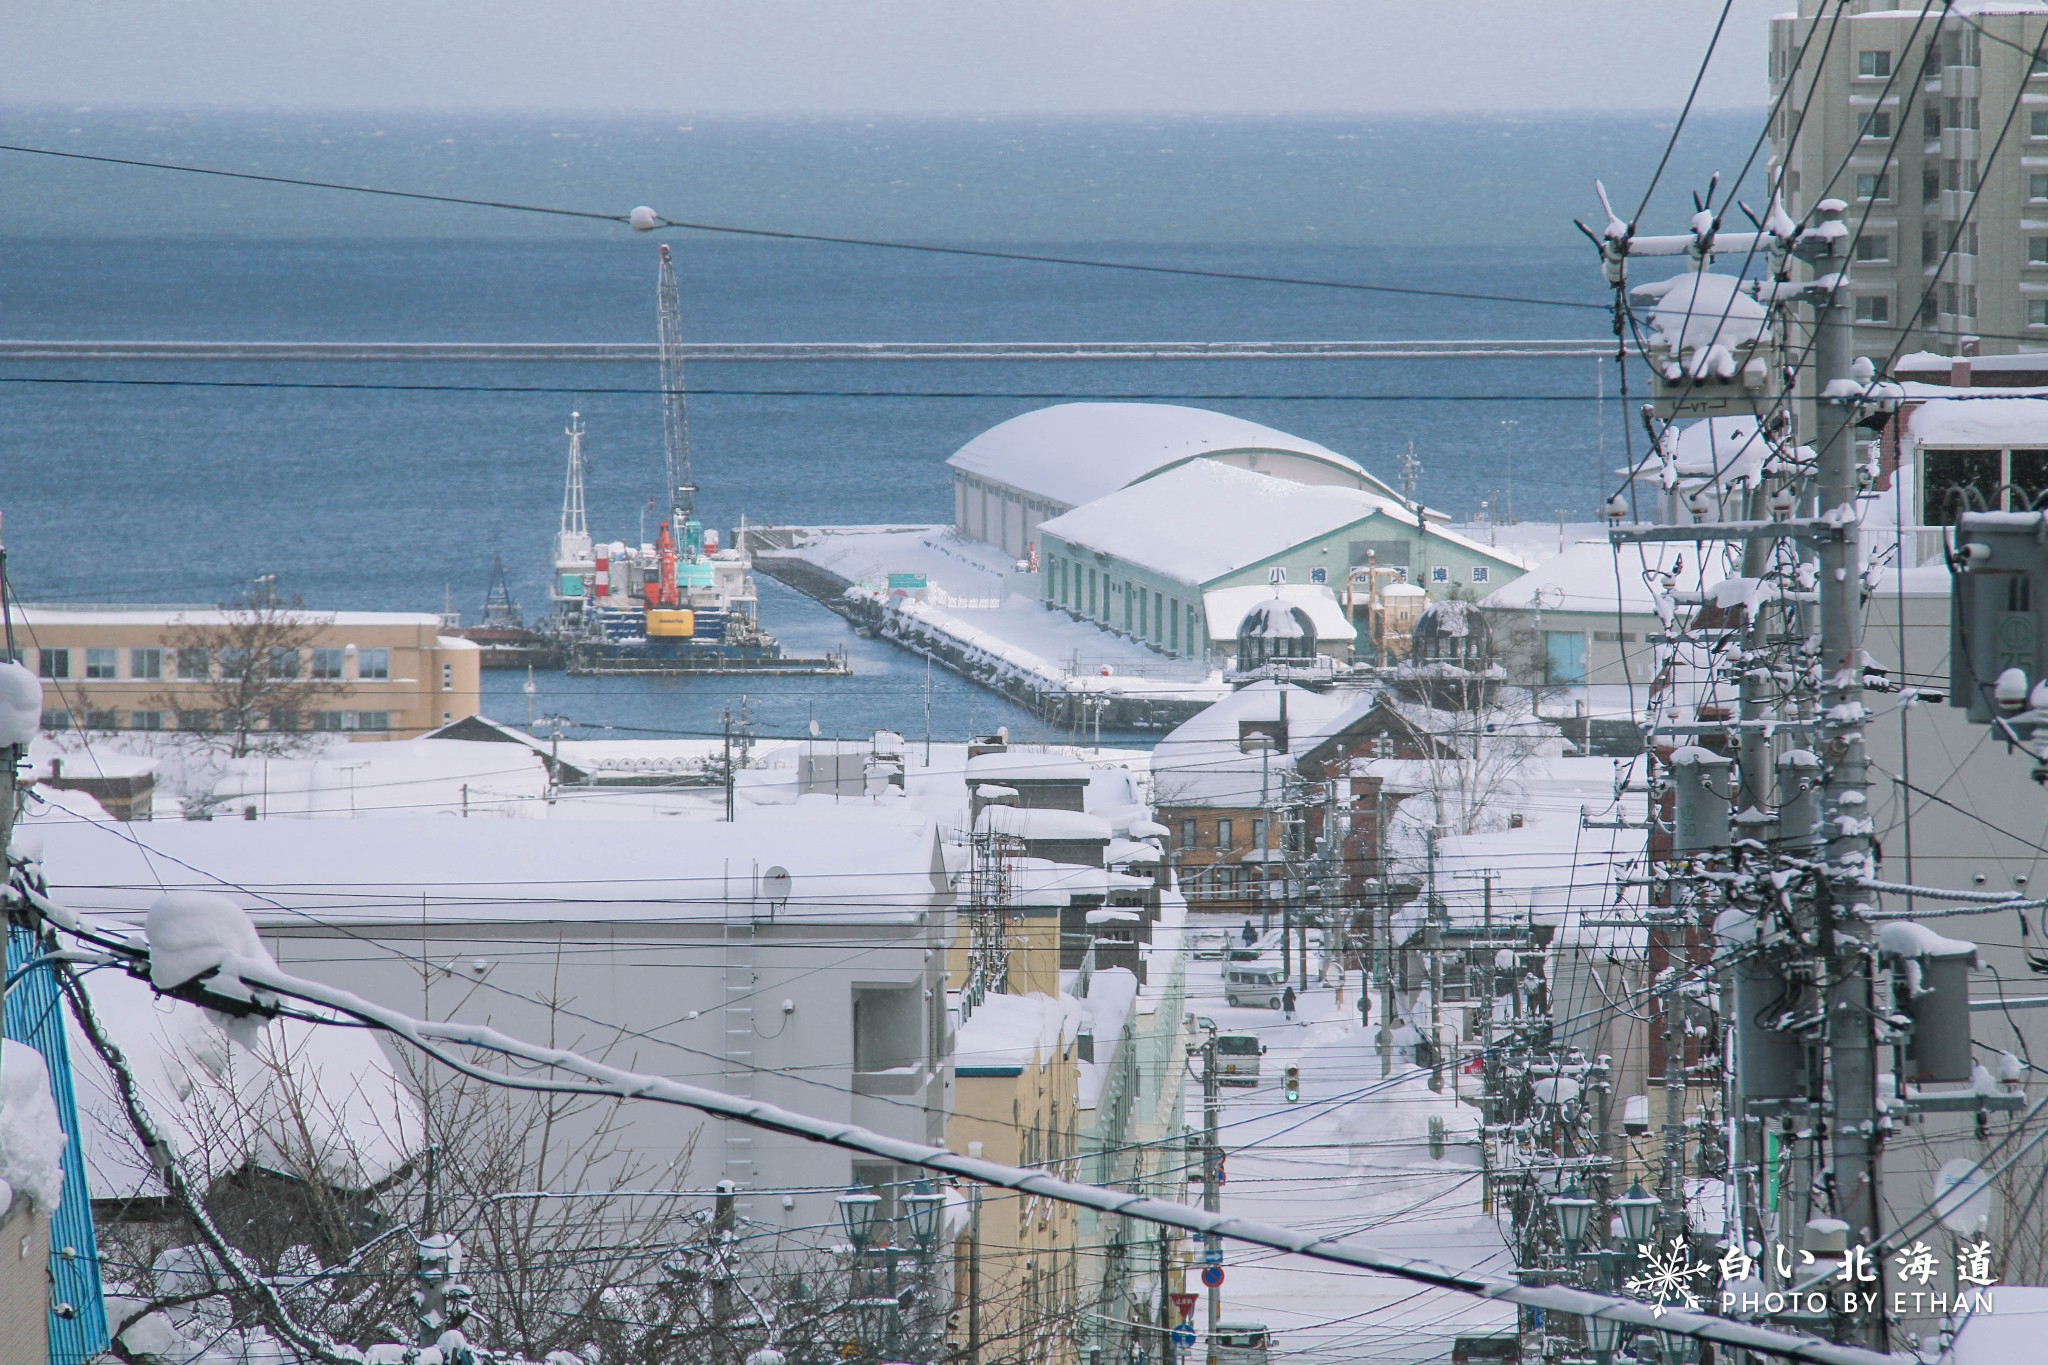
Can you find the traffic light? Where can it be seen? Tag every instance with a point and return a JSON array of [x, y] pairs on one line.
[[1293, 1088]]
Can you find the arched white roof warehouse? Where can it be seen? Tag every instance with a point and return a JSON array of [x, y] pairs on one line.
[[1042, 463]]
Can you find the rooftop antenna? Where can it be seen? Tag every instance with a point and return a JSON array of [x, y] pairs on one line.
[[675, 413]]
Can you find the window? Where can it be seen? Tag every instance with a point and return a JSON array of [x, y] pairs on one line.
[[1950, 304], [447, 677], [886, 1028], [1874, 246], [1190, 833], [1930, 247], [327, 664], [1873, 308], [56, 720], [1225, 834], [1479, 573], [1258, 832], [1930, 121], [2037, 123], [1930, 185], [373, 721], [145, 720], [1439, 574], [1929, 314], [53, 663], [1873, 65], [100, 663], [2037, 312], [102, 720], [1382, 745], [195, 665], [2039, 66], [1953, 480], [145, 663], [1877, 123], [2026, 479], [2037, 188], [284, 662], [1875, 187], [2037, 251], [1969, 300], [195, 722], [373, 663], [284, 720], [1966, 240]]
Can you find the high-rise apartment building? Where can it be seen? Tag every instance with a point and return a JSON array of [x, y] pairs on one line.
[[1933, 128]]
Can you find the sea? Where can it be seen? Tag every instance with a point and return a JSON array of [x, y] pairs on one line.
[[179, 487]]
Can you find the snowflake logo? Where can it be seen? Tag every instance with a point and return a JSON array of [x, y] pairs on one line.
[[1668, 1277]]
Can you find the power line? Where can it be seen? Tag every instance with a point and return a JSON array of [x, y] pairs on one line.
[[1020, 394], [777, 234]]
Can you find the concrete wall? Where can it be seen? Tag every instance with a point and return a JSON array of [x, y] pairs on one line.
[[24, 1284]]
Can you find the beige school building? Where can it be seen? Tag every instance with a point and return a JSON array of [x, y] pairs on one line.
[[384, 674]]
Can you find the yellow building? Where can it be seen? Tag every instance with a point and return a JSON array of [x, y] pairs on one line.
[[1016, 1100], [365, 674]]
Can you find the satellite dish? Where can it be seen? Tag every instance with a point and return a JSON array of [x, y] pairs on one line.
[[775, 884]]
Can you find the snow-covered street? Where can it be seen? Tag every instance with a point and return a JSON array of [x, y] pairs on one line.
[[1354, 1159]]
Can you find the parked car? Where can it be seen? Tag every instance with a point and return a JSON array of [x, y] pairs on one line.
[[1258, 983]]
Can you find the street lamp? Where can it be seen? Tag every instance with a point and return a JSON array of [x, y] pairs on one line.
[[857, 1209], [1574, 1210], [1605, 1335], [1638, 1214], [924, 1204]]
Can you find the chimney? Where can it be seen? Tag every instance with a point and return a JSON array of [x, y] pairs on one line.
[[56, 770]]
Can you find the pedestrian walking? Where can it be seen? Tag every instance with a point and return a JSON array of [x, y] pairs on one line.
[[1287, 1002], [1251, 935]]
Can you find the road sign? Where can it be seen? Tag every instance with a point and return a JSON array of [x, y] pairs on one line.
[[1183, 1336], [1185, 1304], [1212, 1275], [1212, 1254]]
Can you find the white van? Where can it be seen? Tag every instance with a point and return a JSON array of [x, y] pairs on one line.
[[1257, 984]]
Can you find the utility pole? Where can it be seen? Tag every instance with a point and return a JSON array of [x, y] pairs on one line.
[[1166, 1322], [1212, 1160], [722, 1222], [1846, 937], [1433, 940], [725, 719]]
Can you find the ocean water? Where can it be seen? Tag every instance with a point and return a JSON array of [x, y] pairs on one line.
[[378, 498]]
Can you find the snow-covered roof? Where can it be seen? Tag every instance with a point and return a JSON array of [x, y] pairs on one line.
[[1008, 1032], [1042, 883], [1204, 520], [1018, 765], [1225, 608], [1027, 823], [36, 614], [849, 864], [1584, 579], [1987, 421], [306, 1100], [1201, 761], [1076, 452]]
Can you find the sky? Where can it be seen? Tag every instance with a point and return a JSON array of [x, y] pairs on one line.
[[912, 57]]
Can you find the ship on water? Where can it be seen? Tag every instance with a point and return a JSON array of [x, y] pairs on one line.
[[681, 603]]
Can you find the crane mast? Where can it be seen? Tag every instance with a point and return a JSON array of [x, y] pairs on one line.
[[675, 413]]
